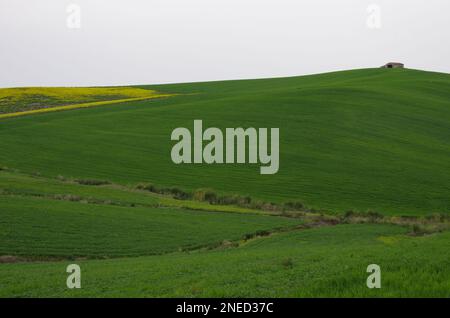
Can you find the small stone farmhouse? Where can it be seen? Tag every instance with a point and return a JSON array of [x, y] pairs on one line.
[[393, 65]]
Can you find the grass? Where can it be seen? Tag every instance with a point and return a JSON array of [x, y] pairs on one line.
[[347, 140], [323, 262], [19, 184], [39, 228], [363, 179]]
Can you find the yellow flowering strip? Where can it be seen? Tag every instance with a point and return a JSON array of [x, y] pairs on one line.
[[82, 105], [72, 94]]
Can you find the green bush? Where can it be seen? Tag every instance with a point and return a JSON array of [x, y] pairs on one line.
[[93, 182], [205, 195], [373, 215], [294, 205], [287, 263], [147, 187], [177, 193]]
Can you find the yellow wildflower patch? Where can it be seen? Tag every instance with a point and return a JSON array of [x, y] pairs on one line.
[[33, 100], [390, 240], [73, 94], [74, 106]]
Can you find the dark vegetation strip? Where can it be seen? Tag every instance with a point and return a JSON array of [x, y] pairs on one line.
[[436, 222], [211, 197], [77, 198]]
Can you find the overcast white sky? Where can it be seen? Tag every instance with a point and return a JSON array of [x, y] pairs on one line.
[[160, 41]]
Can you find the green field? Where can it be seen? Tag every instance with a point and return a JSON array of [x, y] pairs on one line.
[[362, 140], [318, 262]]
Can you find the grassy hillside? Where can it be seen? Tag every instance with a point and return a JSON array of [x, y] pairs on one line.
[[365, 139], [294, 264], [97, 187], [48, 219], [36, 227]]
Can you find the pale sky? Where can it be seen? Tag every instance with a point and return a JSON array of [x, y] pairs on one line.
[[159, 41]]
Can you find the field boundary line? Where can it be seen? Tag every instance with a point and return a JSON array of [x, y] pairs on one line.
[[81, 105]]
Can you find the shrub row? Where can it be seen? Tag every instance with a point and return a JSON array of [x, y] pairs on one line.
[[93, 182], [175, 192], [373, 216], [210, 196]]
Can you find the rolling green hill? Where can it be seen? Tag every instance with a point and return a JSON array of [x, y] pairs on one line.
[[364, 139], [97, 187]]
